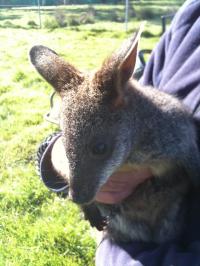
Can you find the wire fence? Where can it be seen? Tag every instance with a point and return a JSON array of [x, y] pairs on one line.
[[42, 16], [62, 13]]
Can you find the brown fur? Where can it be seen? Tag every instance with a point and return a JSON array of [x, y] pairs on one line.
[[139, 126]]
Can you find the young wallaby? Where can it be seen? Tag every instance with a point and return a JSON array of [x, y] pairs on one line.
[[110, 121]]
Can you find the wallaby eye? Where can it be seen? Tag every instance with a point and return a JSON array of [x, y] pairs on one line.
[[99, 149]]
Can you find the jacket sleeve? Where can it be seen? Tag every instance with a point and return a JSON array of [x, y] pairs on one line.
[[174, 66], [141, 255]]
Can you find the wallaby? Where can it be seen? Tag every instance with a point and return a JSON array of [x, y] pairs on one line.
[[110, 121]]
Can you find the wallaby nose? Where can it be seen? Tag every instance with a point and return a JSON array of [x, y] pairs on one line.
[[80, 198]]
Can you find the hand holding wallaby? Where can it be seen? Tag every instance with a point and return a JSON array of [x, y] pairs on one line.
[[109, 122]]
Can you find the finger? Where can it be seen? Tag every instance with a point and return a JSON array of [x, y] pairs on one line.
[[114, 186], [112, 198]]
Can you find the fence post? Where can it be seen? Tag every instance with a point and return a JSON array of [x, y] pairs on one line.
[[39, 14], [163, 19], [126, 14]]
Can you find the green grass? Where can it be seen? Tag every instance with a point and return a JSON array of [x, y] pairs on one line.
[[37, 227]]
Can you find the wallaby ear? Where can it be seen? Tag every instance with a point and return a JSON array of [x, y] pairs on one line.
[[129, 56], [61, 75], [117, 70]]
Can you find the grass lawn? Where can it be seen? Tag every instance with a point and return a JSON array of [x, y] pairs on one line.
[[36, 226]]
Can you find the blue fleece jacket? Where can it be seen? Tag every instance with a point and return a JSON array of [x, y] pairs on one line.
[[174, 67]]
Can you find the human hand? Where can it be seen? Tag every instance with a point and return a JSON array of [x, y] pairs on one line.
[[121, 184]]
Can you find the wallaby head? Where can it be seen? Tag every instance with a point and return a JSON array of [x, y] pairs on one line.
[[107, 120], [95, 120]]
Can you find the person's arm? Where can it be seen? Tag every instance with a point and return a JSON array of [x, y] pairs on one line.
[[174, 65], [142, 254]]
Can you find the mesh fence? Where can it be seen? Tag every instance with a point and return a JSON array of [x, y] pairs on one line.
[[63, 13]]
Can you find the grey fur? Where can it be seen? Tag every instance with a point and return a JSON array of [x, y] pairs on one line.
[[141, 127]]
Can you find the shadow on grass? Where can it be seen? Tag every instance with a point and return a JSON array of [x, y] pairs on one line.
[[158, 3], [5, 17], [9, 24]]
